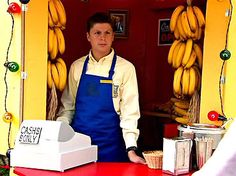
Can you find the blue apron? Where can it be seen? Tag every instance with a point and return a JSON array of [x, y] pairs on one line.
[[96, 117]]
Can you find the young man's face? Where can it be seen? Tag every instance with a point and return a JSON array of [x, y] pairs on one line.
[[101, 36]]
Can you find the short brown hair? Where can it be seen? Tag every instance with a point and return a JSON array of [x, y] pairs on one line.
[[99, 17]]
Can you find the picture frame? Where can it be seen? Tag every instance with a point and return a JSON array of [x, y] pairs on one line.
[[165, 37], [120, 19]]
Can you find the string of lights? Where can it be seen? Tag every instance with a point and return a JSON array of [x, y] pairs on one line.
[[13, 8], [225, 55], [7, 115]]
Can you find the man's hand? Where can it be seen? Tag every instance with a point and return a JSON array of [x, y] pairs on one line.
[[135, 158]]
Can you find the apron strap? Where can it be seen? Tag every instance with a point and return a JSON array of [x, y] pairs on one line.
[[111, 72], [85, 65]]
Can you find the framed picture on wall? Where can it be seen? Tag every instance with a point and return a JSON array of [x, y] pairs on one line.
[[165, 37], [120, 19]]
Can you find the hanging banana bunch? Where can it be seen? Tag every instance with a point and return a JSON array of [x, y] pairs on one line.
[[185, 55], [56, 67], [57, 71]]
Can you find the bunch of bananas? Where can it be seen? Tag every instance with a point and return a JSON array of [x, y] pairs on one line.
[[177, 108], [187, 22], [185, 54], [180, 110], [57, 74], [186, 57], [57, 14], [56, 42], [186, 81], [57, 71]]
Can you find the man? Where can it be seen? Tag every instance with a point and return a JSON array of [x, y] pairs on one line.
[[101, 98]]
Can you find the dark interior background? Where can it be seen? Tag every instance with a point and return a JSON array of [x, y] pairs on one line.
[[154, 74]]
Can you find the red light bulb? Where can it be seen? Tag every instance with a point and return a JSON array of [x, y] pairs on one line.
[[14, 8], [213, 115]]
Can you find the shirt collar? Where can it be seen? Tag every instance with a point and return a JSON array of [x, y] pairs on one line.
[[107, 57]]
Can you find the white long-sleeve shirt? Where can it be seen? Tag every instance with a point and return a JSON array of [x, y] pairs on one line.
[[125, 92]]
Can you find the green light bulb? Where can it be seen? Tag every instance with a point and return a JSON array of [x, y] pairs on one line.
[[12, 66], [225, 54]]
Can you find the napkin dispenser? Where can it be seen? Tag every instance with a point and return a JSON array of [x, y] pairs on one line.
[[176, 155], [51, 145]]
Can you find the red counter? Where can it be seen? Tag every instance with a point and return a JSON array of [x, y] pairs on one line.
[[97, 169]]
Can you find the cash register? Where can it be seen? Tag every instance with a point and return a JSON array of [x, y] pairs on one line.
[[51, 145]]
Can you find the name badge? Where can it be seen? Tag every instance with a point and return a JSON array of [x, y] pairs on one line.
[[115, 91]]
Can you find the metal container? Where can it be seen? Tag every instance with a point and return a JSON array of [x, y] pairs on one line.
[[203, 130]]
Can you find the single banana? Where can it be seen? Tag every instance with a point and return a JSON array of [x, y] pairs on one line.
[[188, 50], [53, 11], [197, 82], [182, 104], [200, 31], [185, 24], [185, 82], [199, 78], [175, 53], [192, 19], [55, 75], [191, 60], [174, 17], [60, 40], [173, 99], [62, 62], [49, 75], [178, 60], [176, 34], [182, 120], [62, 74], [192, 81], [64, 80], [170, 54], [182, 34], [177, 80], [50, 22], [199, 54], [180, 111], [200, 17], [50, 39], [54, 51], [60, 12], [195, 35]]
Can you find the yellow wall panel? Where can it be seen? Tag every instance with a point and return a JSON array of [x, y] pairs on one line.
[[214, 43], [34, 106]]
